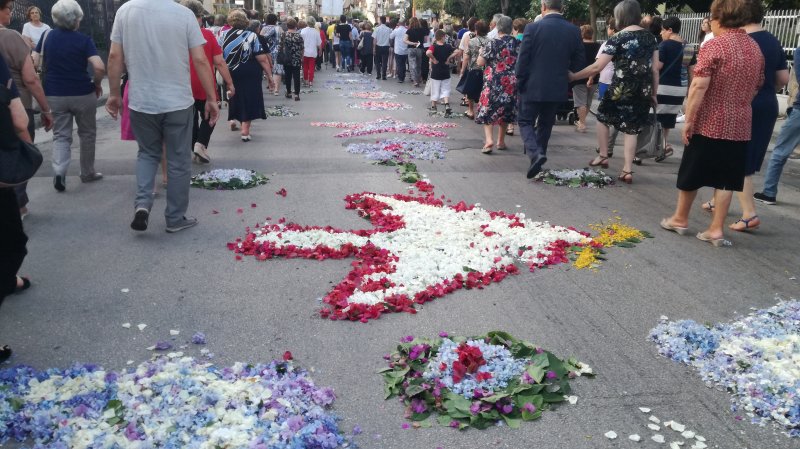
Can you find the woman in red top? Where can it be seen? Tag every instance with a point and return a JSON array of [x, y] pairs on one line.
[[201, 129], [729, 72]]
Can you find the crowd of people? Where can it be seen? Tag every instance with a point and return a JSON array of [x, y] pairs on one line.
[[509, 72]]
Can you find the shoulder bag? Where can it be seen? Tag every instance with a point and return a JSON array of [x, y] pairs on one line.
[[283, 55], [19, 160]]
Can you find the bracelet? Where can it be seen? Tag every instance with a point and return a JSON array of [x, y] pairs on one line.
[[47, 112]]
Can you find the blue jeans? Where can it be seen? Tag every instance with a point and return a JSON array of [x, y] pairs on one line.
[[787, 140], [346, 47]]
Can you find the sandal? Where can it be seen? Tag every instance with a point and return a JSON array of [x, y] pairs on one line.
[[509, 131], [667, 153], [603, 162], [26, 284], [610, 152], [626, 177], [487, 149], [708, 206], [747, 225], [5, 353], [704, 237], [665, 224], [504, 147]]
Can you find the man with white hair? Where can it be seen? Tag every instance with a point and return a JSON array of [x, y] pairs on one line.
[[153, 39], [493, 26], [543, 86]]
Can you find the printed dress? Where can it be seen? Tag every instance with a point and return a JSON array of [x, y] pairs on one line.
[[626, 104], [498, 98], [272, 35]]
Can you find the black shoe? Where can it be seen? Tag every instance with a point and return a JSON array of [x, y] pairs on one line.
[[378, 77], [5, 353], [448, 112], [58, 183], [26, 284], [637, 161], [140, 219], [761, 198], [536, 166], [383, 78]]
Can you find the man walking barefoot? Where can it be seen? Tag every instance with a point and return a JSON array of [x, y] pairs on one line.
[[154, 38]]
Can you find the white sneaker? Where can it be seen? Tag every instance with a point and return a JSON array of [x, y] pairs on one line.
[[681, 118]]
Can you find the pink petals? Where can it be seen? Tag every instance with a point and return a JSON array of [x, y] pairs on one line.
[[281, 192]]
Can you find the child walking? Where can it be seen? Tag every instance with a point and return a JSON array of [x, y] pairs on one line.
[[440, 55]]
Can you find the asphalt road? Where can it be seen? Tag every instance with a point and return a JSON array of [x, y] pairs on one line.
[[82, 253]]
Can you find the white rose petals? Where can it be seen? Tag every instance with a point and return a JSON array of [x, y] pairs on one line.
[[699, 445], [125, 290], [675, 445], [129, 362], [151, 348], [688, 434], [141, 326], [126, 325], [611, 435], [699, 438], [635, 437], [655, 420], [652, 426], [174, 332], [572, 399], [678, 427], [644, 409], [658, 438]]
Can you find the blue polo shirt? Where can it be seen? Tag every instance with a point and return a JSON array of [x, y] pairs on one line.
[[66, 56]]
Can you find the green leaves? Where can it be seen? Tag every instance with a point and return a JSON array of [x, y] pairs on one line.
[[408, 172], [545, 381]]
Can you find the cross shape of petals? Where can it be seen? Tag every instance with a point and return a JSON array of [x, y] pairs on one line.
[[418, 250]]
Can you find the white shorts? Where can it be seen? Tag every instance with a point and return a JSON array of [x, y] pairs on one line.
[[440, 89]]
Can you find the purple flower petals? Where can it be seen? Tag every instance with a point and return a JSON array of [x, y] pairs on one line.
[[199, 338]]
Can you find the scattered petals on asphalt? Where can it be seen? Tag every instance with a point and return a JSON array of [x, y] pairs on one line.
[[635, 437], [572, 399], [655, 419], [678, 427], [658, 438], [611, 435], [214, 211], [644, 409], [199, 338], [367, 95], [652, 426], [281, 192], [287, 356], [163, 345], [126, 325], [699, 445], [687, 434], [171, 402], [228, 179], [240, 211], [401, 263], [253, 205], [174, 332], [492, 379], [398, 150], [387, 125], [281, 110], [756, 358], [125, 290], [141, 326], [410, 92], [675, 444]]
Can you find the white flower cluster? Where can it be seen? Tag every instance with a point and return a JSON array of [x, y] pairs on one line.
[[225, 175]]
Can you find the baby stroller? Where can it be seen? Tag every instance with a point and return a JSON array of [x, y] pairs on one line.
[[566, 111]]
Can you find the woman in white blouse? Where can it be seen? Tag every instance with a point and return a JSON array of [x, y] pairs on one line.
[[34, 28]]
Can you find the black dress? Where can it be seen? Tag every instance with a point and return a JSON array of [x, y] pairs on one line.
[[12, 236], [240, 49]]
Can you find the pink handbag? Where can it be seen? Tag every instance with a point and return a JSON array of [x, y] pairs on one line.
[[125, 116]]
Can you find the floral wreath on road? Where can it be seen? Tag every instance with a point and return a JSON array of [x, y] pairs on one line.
[[379, 105], [419, 249], [477, 381], [228, 179], [173, 401]]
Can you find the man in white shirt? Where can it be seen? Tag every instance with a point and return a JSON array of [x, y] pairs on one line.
[[493, 26], [400, 50], [312, 47], [381, 51], [153, 40]]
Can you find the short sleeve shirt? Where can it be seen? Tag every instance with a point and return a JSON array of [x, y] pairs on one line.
[[311, 40], [212, 49], [156, 36], [34, 32], [400, 47], [16, 53], [65, 59], [774, 60], [735, 65], [343, 31]]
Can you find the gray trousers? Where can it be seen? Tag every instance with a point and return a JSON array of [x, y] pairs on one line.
[[173, 131], [83, 109]]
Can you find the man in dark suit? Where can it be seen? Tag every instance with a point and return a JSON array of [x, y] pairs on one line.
[[550, 48]]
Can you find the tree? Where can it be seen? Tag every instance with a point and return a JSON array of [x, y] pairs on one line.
[[435, 6], [460, 8], [512, 8]]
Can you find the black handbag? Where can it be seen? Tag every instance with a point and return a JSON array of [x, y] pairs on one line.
[[19, 160], [283, 54]]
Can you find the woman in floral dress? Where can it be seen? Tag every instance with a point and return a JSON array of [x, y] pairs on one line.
[[499, 98], [272, 33], [627, 102]]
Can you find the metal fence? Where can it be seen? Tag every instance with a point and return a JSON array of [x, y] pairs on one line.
[[98, 17], [783, 24]]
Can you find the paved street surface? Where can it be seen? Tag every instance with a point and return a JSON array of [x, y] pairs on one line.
[[82, 253]]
